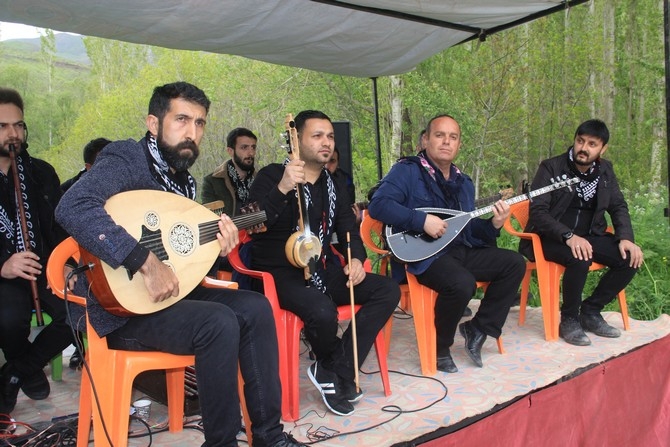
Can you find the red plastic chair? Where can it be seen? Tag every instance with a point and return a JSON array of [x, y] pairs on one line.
[[372, 232], [548, 277], [113, 371], [288, 334]]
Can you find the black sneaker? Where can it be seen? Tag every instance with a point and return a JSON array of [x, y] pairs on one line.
[[327, 383], [287, 441], [36, 386], [10, 383], [571, 331], [596, 323], [349, 392]]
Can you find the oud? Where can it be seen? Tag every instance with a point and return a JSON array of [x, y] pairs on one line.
[[179, 231]]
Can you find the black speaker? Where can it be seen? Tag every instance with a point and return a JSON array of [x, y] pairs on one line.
[[343, 142]]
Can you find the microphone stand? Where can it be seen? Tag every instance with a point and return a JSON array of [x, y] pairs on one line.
[[24, 230]]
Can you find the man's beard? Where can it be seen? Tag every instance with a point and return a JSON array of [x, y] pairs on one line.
[[243, 165], [173, 155], [588, 162], [19, 147]]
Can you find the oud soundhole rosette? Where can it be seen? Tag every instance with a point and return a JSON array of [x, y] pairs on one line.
[[151, 220], [182, 239]]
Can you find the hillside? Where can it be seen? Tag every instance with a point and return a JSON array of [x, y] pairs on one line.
[[70, 50]]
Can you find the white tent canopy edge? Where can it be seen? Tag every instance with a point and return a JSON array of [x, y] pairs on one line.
[[356, 38]]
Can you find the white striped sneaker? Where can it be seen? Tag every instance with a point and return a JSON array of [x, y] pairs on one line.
[[327, 382]]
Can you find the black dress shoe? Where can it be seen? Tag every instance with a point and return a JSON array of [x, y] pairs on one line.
[[467, 312], [572, 332], [36, 386], [474, 340], [596, 323], [446, 364]]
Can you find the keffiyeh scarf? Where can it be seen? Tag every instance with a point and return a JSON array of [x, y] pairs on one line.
[[588, 181], [241, 186], [10, 219], [325, 225], [181, 183]]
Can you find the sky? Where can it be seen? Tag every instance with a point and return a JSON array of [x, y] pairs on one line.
[[17, 31]]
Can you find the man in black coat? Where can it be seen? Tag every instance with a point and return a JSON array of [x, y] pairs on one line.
[[22, 260], [573, 231]]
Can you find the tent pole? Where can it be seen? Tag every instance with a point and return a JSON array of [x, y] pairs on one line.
[[375, 99], [666, 35]]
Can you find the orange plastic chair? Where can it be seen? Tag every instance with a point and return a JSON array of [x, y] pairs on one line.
[[113, 371], [548, 277], [372, 232], [288, 334], [423, 307]]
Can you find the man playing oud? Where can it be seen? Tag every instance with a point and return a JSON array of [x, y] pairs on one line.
[[219, 326], [431, 179]]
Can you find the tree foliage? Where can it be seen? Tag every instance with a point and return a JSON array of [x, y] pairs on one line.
[[519, 96]]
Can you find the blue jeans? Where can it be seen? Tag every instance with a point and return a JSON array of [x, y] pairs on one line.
[[220, 327]]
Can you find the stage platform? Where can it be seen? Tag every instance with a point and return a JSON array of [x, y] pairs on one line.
[[537, 393]]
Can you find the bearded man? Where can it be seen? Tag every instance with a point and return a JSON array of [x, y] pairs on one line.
[[573, 232], [23, 255], [231, 181], [221, 327]]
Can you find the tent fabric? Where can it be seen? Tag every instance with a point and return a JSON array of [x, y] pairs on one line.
[[357, 38]]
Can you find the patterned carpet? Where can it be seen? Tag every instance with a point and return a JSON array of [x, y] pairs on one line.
[[418, 405]]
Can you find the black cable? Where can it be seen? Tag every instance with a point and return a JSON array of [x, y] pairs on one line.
[[318, 435]]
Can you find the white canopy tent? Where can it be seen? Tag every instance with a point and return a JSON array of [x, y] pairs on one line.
[[356, 38]]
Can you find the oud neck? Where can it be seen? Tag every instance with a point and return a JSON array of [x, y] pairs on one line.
[[208, 230]]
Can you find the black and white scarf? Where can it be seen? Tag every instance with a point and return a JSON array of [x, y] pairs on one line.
[[241, 186], [181, 183], [326, 223], [10, 218], [588, 181]]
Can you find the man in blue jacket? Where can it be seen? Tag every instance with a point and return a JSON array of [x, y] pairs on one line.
[[431, 179]]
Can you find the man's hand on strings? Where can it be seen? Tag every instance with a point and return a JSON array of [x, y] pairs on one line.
[[159, 279], [228, 235], [434, 226]]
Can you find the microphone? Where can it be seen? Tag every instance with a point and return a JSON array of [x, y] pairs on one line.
[[78, 270]]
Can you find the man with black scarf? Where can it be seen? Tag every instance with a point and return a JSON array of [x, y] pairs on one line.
[[22, 260], [573, 231], [231, 181]]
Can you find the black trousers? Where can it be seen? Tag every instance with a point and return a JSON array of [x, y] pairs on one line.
[[223, 328], [454, 275], [605, 251], [16, 309], [378, 296]]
